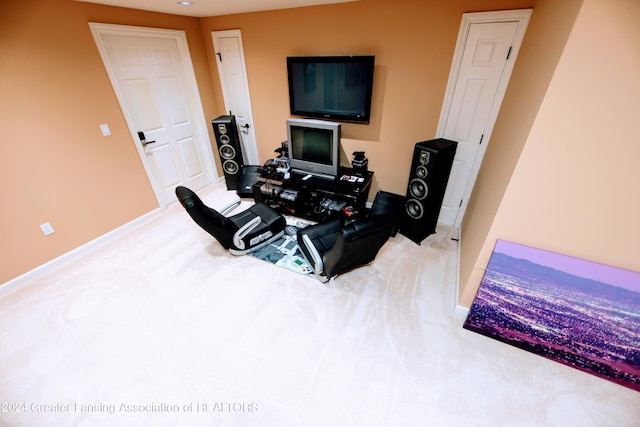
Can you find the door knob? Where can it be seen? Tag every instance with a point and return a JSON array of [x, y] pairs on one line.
[[245, 128], [143, 139]]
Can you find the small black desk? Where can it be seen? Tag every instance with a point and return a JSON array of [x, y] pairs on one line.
[[317, 199]]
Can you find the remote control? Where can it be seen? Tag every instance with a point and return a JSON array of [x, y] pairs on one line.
[[306, 177]]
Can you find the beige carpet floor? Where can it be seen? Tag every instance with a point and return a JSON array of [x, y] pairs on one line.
[[162, 327]]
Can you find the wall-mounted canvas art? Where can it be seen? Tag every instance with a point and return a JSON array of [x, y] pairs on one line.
[[580, 313]]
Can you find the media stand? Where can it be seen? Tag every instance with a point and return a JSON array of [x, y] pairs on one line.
[[315, 198]]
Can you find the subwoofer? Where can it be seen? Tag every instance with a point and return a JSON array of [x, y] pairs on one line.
[[430, 168], [249, 175], [229, 149]]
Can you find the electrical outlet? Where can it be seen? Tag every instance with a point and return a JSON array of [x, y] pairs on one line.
[[47, 229]]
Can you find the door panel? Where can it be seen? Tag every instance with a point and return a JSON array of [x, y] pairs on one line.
[[235, 88], [486, 51], [454, 178], [190, 158], [143, 106], [149, 76], [177, 110], [483, 63], [163, 164]]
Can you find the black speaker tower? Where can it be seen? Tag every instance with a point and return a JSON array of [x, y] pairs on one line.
[[430, 168], [229, 148]]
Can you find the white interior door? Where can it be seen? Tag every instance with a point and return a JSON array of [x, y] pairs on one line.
[[235, 88], [148, 72], [487, 48]]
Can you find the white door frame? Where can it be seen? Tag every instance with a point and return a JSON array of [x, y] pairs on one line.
[[521, 16], [251, 151], [194, 102]]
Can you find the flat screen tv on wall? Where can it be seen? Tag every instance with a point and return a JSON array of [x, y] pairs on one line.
[[331, 87]]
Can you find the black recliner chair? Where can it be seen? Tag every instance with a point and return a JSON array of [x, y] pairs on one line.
[[332, 248], [246, 231]]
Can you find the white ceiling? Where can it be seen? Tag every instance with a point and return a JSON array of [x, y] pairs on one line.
[[202, 8]]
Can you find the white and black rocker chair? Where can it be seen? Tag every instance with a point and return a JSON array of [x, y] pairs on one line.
[[332, 248], [244, 232]]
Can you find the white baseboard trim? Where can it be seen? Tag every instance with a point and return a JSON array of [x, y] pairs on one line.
[[456, 302], [80, 250], [462, 309]]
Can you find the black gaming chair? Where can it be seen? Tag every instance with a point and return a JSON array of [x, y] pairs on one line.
[[332, 248], [246, 231]]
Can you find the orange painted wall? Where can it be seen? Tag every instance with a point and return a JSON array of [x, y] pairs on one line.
[[55, 93], [574, 189], [413, 42], [55, 164], [550, 26]]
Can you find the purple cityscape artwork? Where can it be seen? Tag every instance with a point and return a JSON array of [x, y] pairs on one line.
[[580, 313]]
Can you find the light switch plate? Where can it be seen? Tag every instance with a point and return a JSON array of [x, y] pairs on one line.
[[47, 229], [105, 129]]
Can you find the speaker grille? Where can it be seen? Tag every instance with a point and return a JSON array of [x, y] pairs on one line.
[[414, 209], [230, 167], [418, 188], [227, 152]]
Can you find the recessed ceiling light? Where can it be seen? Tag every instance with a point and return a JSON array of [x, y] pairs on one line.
[[185, 3]]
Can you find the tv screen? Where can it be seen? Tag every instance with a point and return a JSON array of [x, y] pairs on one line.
[[314, 147], [331, 87]]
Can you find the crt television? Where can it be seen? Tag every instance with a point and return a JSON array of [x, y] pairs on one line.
[[331, 87], [314, 147]]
